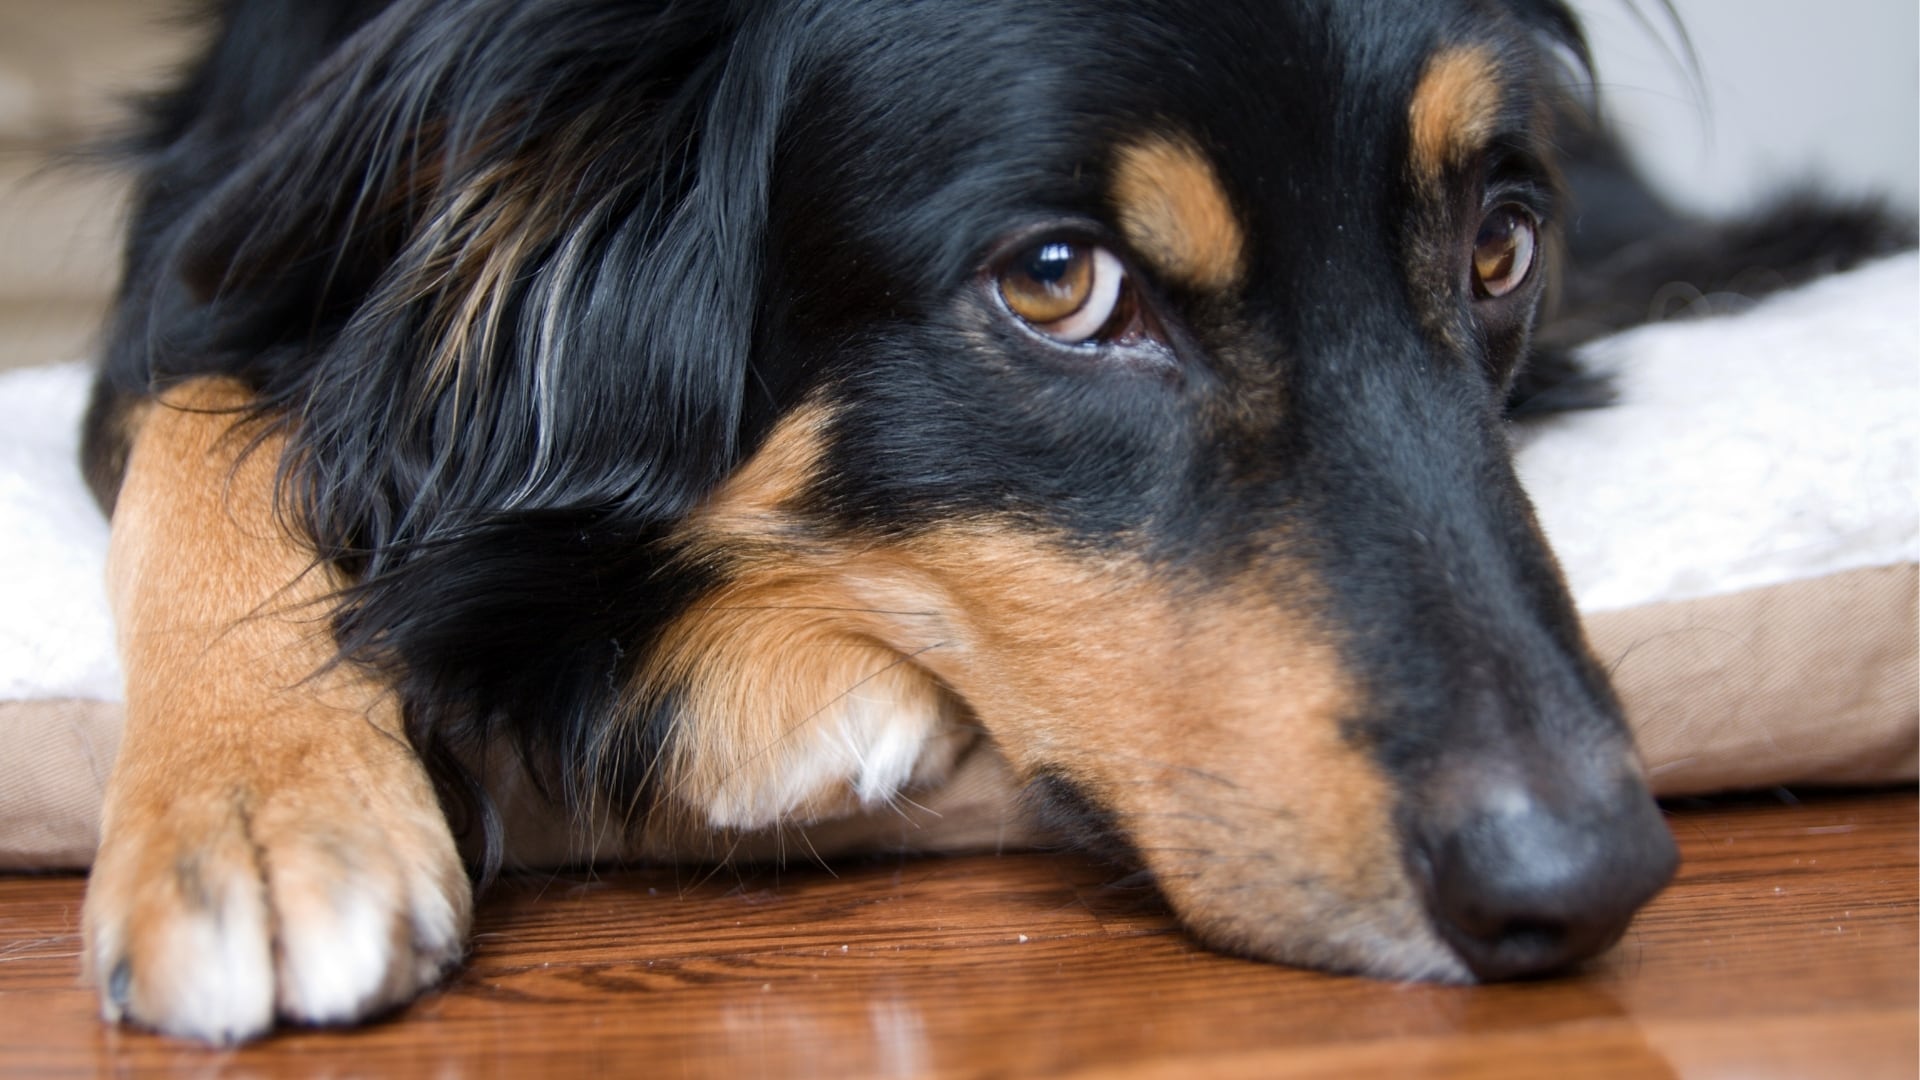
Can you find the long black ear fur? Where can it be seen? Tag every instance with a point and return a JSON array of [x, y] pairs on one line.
[[498, 274]]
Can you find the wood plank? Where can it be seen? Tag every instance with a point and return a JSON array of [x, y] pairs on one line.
[[1788, 947]]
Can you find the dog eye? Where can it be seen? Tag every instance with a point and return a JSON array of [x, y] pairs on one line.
[[1503, 252], [1065, 290]]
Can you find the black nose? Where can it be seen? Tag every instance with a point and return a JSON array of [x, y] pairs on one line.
[[1529, 880]]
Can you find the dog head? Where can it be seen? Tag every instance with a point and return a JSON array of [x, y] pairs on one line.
[[807, 386]]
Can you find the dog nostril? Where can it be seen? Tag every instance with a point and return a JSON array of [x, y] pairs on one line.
[[1517, 947], [1524, 890], [1532, 937], [1503, 928]]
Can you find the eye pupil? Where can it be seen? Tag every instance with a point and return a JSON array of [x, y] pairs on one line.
[[1050, 263], [1050, 282]]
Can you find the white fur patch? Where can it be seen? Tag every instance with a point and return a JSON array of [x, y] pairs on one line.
[[211, 975], [859, 753], [350, 947], [334, 960]]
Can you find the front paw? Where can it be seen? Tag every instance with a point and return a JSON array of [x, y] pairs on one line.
[[318, 897]]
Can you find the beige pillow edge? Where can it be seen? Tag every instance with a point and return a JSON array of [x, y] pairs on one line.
[[59, 752], [1812, 682]]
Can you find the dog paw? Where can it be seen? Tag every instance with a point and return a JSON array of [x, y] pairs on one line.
[[322, 898]]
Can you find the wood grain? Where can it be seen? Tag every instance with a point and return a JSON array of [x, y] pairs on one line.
[[1788, 947]]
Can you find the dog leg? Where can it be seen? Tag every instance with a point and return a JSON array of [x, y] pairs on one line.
[[271, 845]]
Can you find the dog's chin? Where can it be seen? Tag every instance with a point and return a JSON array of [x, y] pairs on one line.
[[1297, 915], [1394, 942]]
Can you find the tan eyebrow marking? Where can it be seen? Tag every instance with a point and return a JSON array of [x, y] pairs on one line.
[[1175, 213], [1454, 109]]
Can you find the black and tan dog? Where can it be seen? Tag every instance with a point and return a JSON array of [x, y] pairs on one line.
[[733, 416]]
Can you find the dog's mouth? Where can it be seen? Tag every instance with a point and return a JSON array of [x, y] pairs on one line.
[[1513, 890], [1217, 729], [1499, 880]]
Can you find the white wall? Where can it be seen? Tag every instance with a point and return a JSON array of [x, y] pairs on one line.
[[1827, 91]]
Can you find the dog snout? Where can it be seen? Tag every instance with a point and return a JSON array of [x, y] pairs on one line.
[[1528, 879]]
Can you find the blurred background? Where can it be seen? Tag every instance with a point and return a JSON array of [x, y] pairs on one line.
[[1783, 92], [1826, 92]]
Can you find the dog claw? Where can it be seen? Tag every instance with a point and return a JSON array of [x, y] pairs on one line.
[[120, 987]]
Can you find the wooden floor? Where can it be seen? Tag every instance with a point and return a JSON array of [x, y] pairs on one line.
[[1787, 948]]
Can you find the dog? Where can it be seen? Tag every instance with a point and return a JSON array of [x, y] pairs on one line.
[[689, 428]]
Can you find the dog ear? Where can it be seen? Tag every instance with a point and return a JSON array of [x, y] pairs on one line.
[[500, 267], [541, 227]]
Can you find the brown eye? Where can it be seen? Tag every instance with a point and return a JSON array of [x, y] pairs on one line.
[[1065, 290], [1503, 252]]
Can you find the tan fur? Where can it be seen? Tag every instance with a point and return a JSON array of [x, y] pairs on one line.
[[1206, 715], [482, 241], [775, 667], [1176, 214], [783, 672], [266, 830], [1454, 109]]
